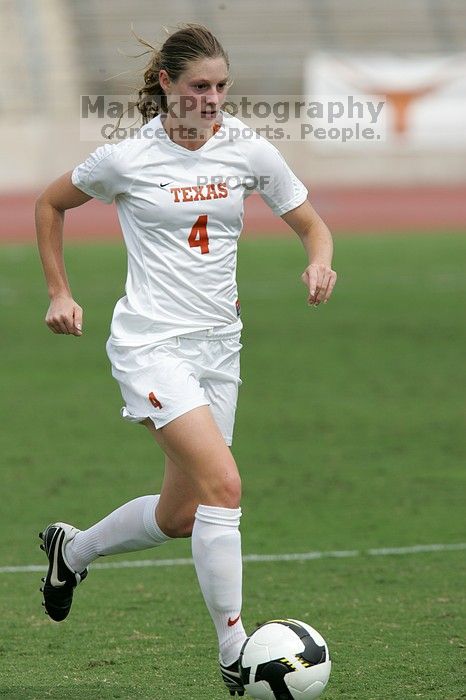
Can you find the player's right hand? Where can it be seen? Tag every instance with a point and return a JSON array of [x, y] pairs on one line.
[[65, 316]]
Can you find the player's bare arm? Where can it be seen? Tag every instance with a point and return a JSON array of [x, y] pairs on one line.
[[64, 315], [316, 238]]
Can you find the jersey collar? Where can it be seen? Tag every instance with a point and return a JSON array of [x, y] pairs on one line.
[[156, 123]]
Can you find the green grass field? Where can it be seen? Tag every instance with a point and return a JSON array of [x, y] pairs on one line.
[[349, 435]]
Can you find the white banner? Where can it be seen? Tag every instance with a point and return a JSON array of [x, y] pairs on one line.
[[425, 95]]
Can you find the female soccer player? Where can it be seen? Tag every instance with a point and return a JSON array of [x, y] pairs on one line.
[[174, 346]]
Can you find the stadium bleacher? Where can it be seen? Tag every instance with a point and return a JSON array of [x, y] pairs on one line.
[[55, 50]]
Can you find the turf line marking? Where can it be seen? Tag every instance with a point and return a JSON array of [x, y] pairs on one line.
[[299, 556]]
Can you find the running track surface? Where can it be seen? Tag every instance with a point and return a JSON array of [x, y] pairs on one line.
[[351, 209]]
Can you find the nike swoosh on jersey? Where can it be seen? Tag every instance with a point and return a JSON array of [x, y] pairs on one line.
[[164, 184], [54, 580], [233, 622]]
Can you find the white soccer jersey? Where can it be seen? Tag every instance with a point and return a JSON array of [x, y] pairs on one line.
[[181, 214]]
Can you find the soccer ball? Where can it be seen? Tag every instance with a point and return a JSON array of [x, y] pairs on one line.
[[285, 659]]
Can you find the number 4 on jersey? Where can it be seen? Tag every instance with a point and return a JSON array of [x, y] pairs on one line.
[[198, 235]]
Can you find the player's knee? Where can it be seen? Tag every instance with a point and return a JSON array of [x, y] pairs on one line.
[[232, 492], [226, 492]]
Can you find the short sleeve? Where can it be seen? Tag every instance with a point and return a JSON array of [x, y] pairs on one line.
[[102, 174], [273, 178]]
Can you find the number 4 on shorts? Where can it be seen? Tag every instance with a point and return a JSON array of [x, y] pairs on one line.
[[198, 235]]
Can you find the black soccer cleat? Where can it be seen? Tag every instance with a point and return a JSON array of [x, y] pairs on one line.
[[232, 678], [61, 580]]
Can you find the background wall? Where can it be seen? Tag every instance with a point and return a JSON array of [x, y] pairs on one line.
[[53, 51]]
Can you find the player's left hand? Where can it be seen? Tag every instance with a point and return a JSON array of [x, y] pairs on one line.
[[320, 280]]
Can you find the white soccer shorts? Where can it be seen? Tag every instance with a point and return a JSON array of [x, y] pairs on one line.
[[163, 380]]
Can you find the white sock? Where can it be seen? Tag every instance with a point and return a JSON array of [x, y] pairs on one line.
[[216, 546], [131, 527]]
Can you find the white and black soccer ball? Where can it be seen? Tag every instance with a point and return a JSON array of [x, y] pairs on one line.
[[285, 660]]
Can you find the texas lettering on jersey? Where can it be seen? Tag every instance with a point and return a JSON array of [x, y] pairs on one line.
[[199, 193]]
